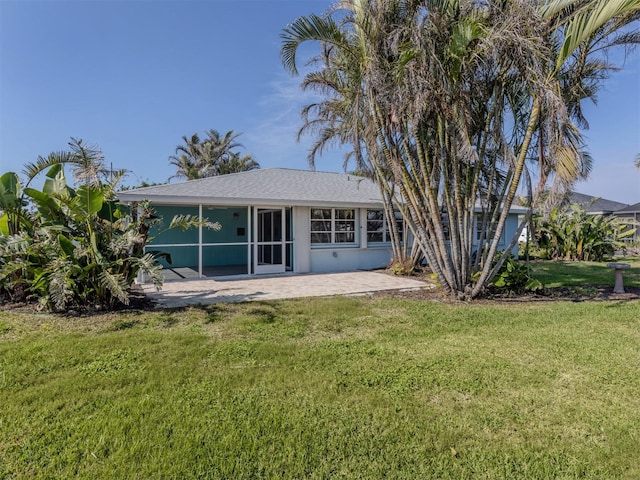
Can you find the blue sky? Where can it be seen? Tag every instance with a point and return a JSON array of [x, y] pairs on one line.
[[133, 77]]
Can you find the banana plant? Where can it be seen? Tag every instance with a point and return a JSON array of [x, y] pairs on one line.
[[77, 247], [573, 234]]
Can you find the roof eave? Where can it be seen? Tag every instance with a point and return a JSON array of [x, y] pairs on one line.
[[182, 200]]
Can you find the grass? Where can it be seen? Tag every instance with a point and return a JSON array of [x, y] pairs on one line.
[[324, 388], [581, 274]]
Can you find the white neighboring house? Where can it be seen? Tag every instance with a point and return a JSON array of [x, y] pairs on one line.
[[273, 221]]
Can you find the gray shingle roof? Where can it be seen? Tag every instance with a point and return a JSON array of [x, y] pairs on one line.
[[630, 209], [273, 186], [595, 204]]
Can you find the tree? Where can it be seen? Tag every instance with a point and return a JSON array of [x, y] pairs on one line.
[[210, 157], [73, 247], [459, 105]]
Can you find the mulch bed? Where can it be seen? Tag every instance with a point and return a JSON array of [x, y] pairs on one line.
[[139, 301], [563, 294]]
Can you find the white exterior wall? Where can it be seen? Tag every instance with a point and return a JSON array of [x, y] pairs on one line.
[[338, 258], [300, 217], [335, 258], [346, 259]]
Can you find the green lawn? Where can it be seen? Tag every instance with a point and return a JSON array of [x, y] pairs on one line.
[[582, 274], [324, 388]]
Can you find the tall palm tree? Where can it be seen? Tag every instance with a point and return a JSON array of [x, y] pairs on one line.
[[453, 99], [187, 158], [237, 163], [212, 156]]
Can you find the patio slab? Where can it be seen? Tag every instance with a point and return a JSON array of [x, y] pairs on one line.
[[206, 291]]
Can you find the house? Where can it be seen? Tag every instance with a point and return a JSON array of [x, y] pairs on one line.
[[594, 205], [274, 220], [630, 212]]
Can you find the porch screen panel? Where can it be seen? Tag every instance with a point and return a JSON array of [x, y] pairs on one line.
[[270, 234], [214, 255], [161, 234]]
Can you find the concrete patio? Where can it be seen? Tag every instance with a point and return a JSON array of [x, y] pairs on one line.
[[185, 292]]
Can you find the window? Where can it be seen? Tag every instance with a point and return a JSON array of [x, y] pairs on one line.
[[375, 226], [377, 229], [333, 225], [486, 237]]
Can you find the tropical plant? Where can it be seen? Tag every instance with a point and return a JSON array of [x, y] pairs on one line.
[[573, 234], [515, 277], [74, 247], [459, 105], [210, 157]]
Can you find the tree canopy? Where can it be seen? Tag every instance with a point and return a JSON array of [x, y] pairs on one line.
[[215, 155], [455, 106]]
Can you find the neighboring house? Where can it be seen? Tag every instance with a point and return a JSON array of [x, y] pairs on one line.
[[594, 205], [275, 220], [630, 212], [602, 206]]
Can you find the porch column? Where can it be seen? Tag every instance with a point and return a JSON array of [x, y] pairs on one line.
[[249, 239], [200, 241]]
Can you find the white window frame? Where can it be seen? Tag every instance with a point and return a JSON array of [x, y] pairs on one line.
[[333, 232], [386, 238]]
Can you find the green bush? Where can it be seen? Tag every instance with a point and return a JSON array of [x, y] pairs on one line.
[[72, 247], [515, 277], [573, 234]]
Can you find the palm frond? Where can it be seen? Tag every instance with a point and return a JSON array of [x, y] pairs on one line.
[[588, 18], [116, 285], [311, 28], [148, 265], [59, 281], [31, 170]]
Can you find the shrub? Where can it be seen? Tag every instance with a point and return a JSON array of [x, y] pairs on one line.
[[573, 234], [514, 277], [75, 247]]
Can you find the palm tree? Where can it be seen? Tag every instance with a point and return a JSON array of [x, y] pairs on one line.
[[237, 163], [452, 100], [210, 157], [186, 158]]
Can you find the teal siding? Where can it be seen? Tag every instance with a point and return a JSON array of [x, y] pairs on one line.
[[230, 225], [180, 256], [160, 234], [224, 255], [234, 230]]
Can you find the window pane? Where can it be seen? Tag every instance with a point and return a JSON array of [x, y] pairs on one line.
[[320, 237], [345, 226], [346, 214], [320, 226], [373, 237], [400, 232], [345, 237], [375, 215], [288, 227], [375, 225], [321, 213]]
